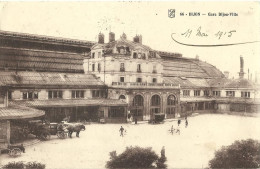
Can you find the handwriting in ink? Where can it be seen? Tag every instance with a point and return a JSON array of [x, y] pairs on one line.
[[200, 33]]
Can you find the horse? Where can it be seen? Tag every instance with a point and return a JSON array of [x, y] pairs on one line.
[[77, 127]]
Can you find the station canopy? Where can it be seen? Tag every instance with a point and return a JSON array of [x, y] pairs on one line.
[[19, 112]]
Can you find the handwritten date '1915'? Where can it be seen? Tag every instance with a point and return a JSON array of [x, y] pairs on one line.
[[200, 33]]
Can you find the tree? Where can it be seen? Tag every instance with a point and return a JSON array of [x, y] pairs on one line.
[[241, 154], [136, 157]]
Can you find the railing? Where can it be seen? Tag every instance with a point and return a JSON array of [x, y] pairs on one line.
[[143, 85], [122, 69]]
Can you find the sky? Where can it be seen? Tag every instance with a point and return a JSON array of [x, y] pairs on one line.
[[84, 20]]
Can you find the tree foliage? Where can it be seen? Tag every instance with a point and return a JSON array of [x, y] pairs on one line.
[[241, 154], [136, 157], [22, 165]]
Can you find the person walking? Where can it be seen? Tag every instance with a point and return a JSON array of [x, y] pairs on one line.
[[172, 129], [179, 122], [178, 130], [121, 130], [186, 123]]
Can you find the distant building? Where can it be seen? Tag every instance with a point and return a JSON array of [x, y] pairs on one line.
[[111, 81]]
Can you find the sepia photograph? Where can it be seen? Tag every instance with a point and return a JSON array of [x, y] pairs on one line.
[[129, 84]]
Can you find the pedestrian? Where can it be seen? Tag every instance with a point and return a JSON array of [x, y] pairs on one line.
[[178, 130], [186, 123], [135, 120], [121, 130], [179, 122], [172, 129]]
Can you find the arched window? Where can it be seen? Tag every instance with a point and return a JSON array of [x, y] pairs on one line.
[[156, 100], [138, 107], [122, 51], [171, 104], [138, 100], [171, 100], [122, 97]]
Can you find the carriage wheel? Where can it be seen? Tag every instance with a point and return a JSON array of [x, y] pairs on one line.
[[16, 152], [9, 152], [61, 135], [45, 136]]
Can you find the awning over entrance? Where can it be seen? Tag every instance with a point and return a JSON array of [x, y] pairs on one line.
[[19, 112], [70, 102], [190, 99]]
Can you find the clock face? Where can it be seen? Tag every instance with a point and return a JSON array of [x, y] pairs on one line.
[[139, 55]]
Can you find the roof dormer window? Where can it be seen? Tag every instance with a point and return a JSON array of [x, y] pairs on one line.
[[135, 55]]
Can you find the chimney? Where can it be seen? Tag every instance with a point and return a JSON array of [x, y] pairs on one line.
[[101, 38], [111, 36], [138, 39], [241, 73], [248, 74], [226, 73], [123, 36]]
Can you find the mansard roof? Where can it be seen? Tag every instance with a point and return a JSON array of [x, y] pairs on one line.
[[108, 47], [43, 38], [187, 82], [232, 83], [222, 83], [40, 60], [187, 67], [49, 80]]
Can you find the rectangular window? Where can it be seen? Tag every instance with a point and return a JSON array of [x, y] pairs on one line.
[[73, 94], [35, 95], [139, 80], [245, 94], [50, 94], [102, 93], [135, 55], [206, 93], [230, 93], [98, 93], [93, 55], [10, 95], [122, 67], [122, 79], [186, 93], [25, 95], [196, 92], [77, 94], [138, 67], [99, 54], [30, 95], [154, 80], [93, 67], [216, 93], [55, 94], [154, 69], [99, 67]]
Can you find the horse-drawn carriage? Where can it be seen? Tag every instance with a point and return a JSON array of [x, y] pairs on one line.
[[59, 130], [39, 129], [62, 130], [158, 118]]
